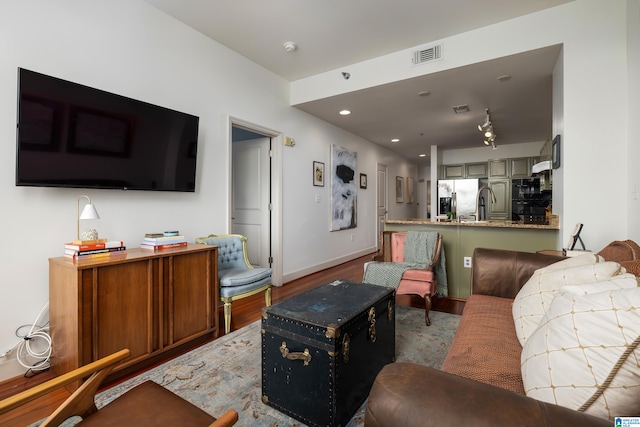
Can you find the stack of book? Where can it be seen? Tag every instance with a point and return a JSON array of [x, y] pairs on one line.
[[159, 241], [88, 249]]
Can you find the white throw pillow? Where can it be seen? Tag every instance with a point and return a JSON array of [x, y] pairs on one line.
[[585, 355], [532, 301], [586, 259]]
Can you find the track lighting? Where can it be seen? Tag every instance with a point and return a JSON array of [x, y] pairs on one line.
[[487, 129], [486, 123]]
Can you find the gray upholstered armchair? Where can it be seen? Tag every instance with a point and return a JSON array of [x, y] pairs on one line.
[[236, 276]]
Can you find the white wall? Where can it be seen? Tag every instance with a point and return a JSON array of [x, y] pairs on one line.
[[130, 48], [633, 109], [595, 172]]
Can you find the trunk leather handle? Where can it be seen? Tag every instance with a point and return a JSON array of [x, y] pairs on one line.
[[305, 356]]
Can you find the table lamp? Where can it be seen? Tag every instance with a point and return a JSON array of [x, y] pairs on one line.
[[88, 212]]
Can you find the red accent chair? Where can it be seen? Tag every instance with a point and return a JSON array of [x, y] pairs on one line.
[[422, 282]]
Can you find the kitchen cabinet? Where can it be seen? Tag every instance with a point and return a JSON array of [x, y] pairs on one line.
[[499, 168], [147, 301], [520, 167], [453, 171], [476, 170], [502, 190]]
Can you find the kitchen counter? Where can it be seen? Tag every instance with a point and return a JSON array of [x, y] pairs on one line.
[[460, 238], [495, 223]]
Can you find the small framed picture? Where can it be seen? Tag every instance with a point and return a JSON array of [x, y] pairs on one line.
[[555, 152], [399, 189], [363, 181], [318, 174]]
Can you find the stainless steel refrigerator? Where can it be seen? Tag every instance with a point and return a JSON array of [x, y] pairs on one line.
[[465, 191]]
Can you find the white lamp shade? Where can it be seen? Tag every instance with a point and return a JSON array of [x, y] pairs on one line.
[[89, 212]]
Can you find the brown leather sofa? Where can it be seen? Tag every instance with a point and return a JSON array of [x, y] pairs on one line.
[[480, 382]]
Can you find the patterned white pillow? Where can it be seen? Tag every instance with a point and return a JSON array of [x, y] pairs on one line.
[[586, 259], [586, 353], [532, 301]]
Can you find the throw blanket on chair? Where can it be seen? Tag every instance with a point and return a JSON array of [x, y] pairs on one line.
[[419, 250]]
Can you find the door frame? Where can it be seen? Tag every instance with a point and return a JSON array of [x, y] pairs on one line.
[[379, 226], [276, 189]]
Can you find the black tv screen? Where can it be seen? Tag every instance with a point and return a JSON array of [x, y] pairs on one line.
[[71, 135]]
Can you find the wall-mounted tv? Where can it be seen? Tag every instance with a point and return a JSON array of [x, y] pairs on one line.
[[71, 135]]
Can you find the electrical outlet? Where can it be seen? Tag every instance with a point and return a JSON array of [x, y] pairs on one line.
[[467, 262], [352, 237]]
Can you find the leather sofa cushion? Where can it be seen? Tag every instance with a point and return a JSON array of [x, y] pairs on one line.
[[485, 347]]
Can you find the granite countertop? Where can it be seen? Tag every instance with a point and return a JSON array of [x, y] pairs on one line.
[[495, 223]]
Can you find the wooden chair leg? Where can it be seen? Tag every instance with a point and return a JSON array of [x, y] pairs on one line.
[[267, 297], [427, 307], [227, 315]]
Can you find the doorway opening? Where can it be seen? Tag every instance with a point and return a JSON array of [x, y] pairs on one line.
[[255, 195]]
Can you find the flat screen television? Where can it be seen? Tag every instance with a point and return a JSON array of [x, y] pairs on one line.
[[71, 135]]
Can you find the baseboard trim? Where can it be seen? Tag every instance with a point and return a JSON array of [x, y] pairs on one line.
[[328, 264]]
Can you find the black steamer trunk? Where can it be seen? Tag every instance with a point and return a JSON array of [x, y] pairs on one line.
[[321, 350]]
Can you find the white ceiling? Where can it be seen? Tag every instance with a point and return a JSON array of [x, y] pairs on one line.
[[330, 34]]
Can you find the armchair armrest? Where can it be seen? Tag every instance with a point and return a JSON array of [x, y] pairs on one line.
[[411, 395], [501, 273]]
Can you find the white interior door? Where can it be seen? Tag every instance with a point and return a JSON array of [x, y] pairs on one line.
[[381, 185], [250, 201]]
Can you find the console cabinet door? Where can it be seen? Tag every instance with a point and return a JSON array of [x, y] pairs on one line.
[[121, 310], [188, 295]]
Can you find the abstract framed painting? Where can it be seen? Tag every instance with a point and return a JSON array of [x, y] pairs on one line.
[[344, 189]]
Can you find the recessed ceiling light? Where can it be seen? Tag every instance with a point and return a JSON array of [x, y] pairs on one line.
[[395, 140], [345, 112], [424, 93], [423, 155], [504, 78]]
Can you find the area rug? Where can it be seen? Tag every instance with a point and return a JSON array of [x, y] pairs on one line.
[[226, 373]]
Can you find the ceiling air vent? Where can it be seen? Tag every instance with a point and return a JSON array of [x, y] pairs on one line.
[[429, 54]]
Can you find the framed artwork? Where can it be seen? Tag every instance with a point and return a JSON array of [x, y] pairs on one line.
[[318, 174], [411, 190], [555, 152], [363, 181], [399, 189], [344, 189]]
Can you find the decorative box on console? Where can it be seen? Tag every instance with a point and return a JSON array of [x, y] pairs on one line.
[[321, 350]]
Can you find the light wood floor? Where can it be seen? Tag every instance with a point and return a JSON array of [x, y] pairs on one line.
[[245, 311]]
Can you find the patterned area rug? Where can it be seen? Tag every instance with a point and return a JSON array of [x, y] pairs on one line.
[[226, 373]]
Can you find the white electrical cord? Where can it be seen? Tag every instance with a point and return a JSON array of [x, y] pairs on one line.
[[34, 351]]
